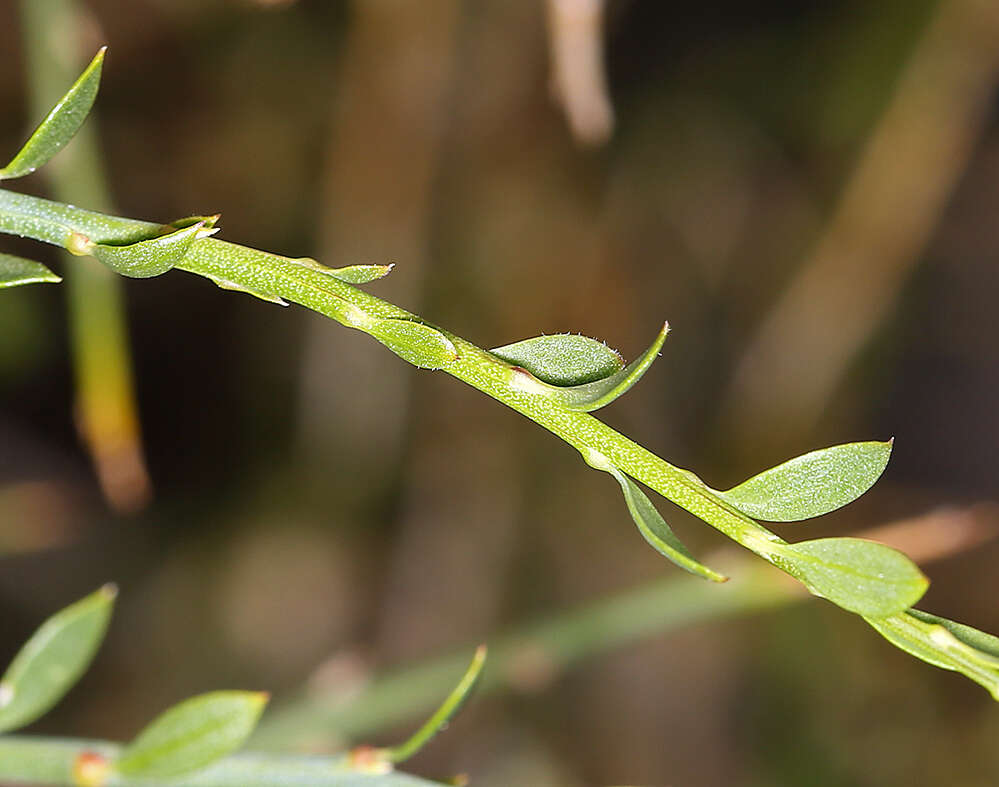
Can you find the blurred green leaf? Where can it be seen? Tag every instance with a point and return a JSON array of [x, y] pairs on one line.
[[53, 659], [650, 522], [150, 257], [15, 271], [945, 644], [61, 123], [811, 485], [415, 342], [563, 359], [865, 577], [192, 734]]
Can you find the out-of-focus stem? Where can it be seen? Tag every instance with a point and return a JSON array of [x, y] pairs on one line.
[[106, 410], [579, 80], [529, 657], [887, 211]]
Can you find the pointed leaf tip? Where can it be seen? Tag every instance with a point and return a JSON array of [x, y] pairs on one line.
[[861, 576], [60, 125], [813, 484], [53, 659], [192, 734], [16, 271]]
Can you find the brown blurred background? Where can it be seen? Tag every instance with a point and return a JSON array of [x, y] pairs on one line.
[[807, 192]]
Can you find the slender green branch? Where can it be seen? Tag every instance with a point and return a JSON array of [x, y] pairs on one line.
[[107, 413], [51, 761], [554, 381]]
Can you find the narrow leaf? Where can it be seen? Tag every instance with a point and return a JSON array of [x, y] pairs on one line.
[[225, 284], [563, 359], [650, 522], [945, 644], [351, 274], [150, 257], [61, 123], [15, 271], [811, 485], [865, 577], [415, 342], [192, 734], [53, 659], [443, 715]]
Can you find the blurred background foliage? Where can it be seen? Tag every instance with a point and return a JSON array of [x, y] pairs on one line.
[[806, 191]]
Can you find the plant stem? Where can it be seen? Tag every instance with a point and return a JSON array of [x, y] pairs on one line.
[[528, 657], [105, 397], [51, 761], [275, 276]]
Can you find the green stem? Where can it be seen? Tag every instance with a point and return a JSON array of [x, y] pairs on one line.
[[53, 761], [277, 276], [105, 396], [529, 656]]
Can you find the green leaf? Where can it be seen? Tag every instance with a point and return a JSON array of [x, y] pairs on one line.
[[650, 522], [150, 257], [53, 659], [588, 396], [15, 271], [415, 342], [563, 359], [945, 644], [192, 734], [351, 274], [811, 485], [865, 577], [61, 123]]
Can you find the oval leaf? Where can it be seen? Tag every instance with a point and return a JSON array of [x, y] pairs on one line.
[[53, 659], [15, 271], [811, 485], [61, 123], [588, 396], [149, 257], [865, 577], [650, 522], [563, 359], [415, 342], [945, 644], [192, 734]]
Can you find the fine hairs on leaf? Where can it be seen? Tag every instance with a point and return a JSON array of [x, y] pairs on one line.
[[554, 381]]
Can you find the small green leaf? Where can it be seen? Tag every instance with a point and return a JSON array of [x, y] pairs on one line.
[[351, 274], [225, 284], [650, 522], [811, 485], [865, 577], [150, 257], [192, 734], [588, 396], [415, 342], [945, 644], [15, 271], [563, 359], [61, 123], [53, 659]]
